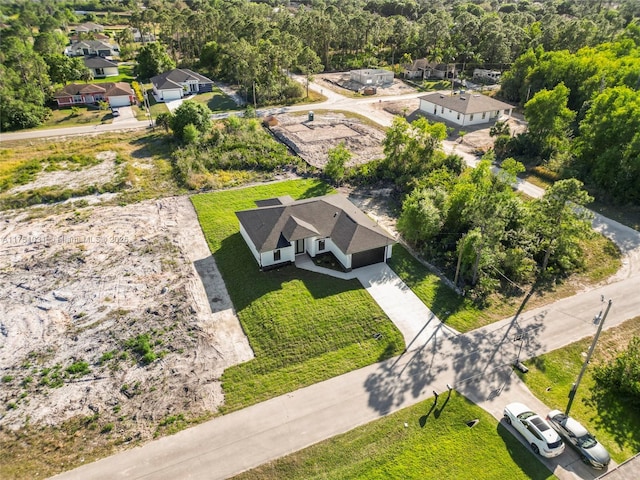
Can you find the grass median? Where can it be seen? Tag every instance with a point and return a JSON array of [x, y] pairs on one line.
[[425, 441], [303, 327]]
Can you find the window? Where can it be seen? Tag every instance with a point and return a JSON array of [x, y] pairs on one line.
[[321, 245], [442, 111], [435, 109], [484, 115], [506, 111], [276, 255], [471, 117], [458, 115]]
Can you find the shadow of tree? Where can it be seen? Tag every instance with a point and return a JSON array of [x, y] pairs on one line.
[[522, 456]]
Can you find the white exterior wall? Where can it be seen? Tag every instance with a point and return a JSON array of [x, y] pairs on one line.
[[387, 252], [344, 259], [250, 244], [287, 254], [452, 116]]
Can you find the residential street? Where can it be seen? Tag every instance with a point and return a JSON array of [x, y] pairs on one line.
[[477, 364]]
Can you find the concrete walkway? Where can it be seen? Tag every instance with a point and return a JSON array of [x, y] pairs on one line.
[[412, 317]]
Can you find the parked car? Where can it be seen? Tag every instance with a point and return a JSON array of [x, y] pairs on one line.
[[591, 451], [115, 112], [543, 439]]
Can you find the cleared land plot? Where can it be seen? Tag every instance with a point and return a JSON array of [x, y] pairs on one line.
[[426, 441], [303, 327], [313, 140]]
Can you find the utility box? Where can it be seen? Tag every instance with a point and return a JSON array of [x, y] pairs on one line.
[[311, 116]]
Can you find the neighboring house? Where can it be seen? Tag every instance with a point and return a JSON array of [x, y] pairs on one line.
[[281, 228], [417, 69], [371, 77], [101, 67], [92, 47], [89, 27], [95, 36], [142, 37], [465, 108], [179, 83], [118, 94], [490, 76]]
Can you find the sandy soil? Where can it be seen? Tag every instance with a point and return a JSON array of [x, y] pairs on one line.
[[76, 286], [341, 83], [313, 140]]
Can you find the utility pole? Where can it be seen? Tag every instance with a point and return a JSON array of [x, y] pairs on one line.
[[601, 318]]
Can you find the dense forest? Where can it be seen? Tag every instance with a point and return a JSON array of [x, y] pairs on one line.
[[255, 44]]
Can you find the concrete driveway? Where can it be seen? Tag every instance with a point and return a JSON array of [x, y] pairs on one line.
[[126, 115]]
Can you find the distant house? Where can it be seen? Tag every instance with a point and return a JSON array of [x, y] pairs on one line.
[[281, 228], [178, 83], [118, 94], [464, 108], [95, 36], [142, 36], [371, 77], [92, 47], [89, 27], [422, 68], [487, 76], [101, 67]]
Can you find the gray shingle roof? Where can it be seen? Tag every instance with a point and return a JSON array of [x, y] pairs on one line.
[[98, 62], [109, 89], [176, 77], [466, 102], [334, 216]]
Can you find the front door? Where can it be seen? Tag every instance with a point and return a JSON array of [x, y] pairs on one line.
[[299, 246]]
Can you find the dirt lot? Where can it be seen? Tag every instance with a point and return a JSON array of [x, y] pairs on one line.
[[85, 295], [313, 140], [340, 82]]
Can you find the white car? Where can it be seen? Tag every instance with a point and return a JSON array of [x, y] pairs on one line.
[[543, 439]]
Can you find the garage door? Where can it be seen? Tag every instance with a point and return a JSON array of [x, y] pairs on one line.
[[367, 258], [119, 101]]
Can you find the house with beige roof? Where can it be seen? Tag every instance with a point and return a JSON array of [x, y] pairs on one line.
[[280, 229], [465, 108], [118, 94]]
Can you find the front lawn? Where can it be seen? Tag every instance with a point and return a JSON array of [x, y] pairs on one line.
[[80, 117], [303, 327], [217, 101], [125, 75], [422, 442], [610, 418]]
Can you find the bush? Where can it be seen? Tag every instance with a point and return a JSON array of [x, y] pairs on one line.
[[623, 375], [78, 368]]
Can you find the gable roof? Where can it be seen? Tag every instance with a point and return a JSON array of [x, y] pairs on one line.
[[176, 78], [108, 89], [98, 62], [93, 44], [466, 102], [277, 225], [89, 26]]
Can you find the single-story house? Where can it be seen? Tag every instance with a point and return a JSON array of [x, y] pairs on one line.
[[281, 228], [178, 83], [465, 108], [118, 94], [484, 75], [371, 76], [101, 67], [422, 69], [92, 47], [142, 36], [87, 27]]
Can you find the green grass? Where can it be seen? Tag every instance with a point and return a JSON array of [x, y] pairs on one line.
[[217, 101], [64, 117], [435, 444], [125, 75], [303, 327], [610, 418]]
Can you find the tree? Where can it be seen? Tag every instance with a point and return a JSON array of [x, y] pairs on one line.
[[549, 119], [309, 64], [339, 156], [622, 377], [190, 112], [423, 214], [164, 120], [63, 69], [560, 221], [153, 60]]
